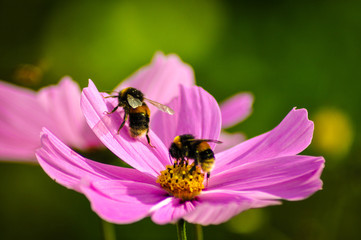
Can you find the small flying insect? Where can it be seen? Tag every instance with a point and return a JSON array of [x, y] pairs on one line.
[[132, 101], [188, 147]]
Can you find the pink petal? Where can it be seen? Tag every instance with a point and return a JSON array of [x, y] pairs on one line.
[[159, 81], [70, 169], [134, 151], [196, 112], [62, 103], [25, 112], [229, 140], [123, 202], [290, 177], [22, 118], [290, 137], [210, 207], [173, 210], [16, 147], [215, 207], [236, 109]]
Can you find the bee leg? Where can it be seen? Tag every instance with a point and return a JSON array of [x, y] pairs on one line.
[[181, 161], [184, 162], [114, 109], [195, 164], [208, 176], [192, 169], [148, 139], [122, 125], [175, 161]]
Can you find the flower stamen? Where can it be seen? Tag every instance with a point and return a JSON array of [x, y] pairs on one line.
[[181, 181]]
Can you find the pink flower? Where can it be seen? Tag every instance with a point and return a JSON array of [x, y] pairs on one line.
[[255, 173]]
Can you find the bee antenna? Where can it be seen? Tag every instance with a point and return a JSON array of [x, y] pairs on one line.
[[111, 96]]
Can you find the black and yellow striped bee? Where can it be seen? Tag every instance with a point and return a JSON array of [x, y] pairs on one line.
[[188, 147], [132, 101]]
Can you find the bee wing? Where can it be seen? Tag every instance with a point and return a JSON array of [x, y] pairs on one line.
[[161, 107], [204, 140], [134, 102]]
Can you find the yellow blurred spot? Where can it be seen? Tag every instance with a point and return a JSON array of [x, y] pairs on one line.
[[333, 132], [28, 74], [247, 222]]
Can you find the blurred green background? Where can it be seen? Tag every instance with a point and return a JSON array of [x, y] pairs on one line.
[[305, 54]]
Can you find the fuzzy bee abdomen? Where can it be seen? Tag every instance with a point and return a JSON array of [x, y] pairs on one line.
[[138, 124]]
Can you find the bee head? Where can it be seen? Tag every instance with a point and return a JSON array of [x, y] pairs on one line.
[[175, 151], [135, 93], [180, 146]]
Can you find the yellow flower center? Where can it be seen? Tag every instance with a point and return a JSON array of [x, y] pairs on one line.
[[181, 182]]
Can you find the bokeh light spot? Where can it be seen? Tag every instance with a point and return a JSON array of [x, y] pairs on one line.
[[334, 133]]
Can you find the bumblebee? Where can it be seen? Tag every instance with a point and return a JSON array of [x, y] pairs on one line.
[[132, 101], [188, 147]]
